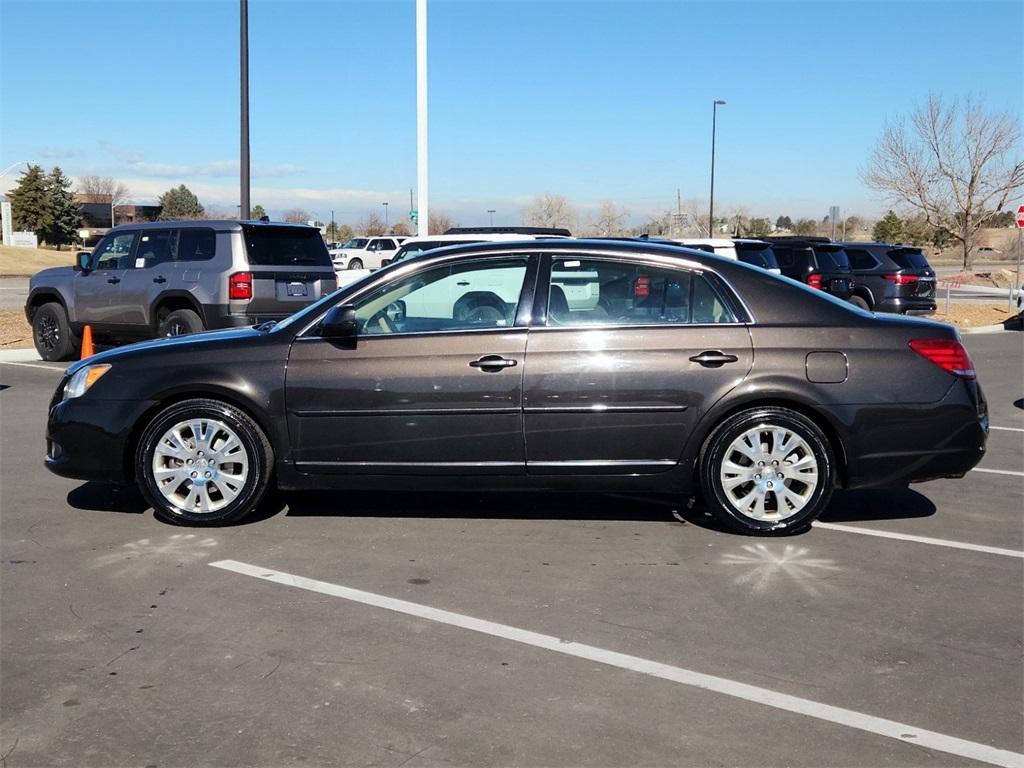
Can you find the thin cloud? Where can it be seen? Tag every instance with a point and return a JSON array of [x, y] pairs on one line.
[[57, 153]]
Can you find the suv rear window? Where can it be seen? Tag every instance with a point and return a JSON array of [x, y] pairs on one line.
[[832, 259], [757, 254], [285, 246], [909, 259]]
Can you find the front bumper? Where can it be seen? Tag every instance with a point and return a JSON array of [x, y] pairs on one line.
[[89, 439]]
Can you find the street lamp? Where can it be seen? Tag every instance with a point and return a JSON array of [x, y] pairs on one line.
[[491, 211], [711, 210]]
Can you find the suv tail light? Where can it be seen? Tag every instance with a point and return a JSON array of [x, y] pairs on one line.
[[814, 281], [240, 285], [901, 279], [948, 354], [642, 286]]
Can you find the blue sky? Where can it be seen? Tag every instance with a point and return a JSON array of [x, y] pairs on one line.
[[593, 100]]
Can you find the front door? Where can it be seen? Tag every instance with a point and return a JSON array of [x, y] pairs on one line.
[[98, 291], [432, 385], [628, 359]]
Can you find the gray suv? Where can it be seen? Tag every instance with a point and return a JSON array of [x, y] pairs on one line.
[[178, 277]]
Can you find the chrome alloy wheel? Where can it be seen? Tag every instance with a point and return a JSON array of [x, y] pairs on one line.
[[200, 465], [769, 473]]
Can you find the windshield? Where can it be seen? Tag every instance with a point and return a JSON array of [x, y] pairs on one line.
[[758, 254], [412, 250], [832, 259], [280, 246], [909, 259], [356, 242]]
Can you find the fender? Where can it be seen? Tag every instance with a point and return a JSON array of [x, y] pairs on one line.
[[39, 296], [861, 288]]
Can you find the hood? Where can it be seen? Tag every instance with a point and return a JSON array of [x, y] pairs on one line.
[[52, 274], [196, 342]]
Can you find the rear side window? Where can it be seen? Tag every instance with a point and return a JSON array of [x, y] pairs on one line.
[[156, 246], [285, 246], [909, 259], [196, 244], [832, 260], [784, 256], [861, 259]]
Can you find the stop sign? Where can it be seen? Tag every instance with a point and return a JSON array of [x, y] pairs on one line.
[[1020, 217]]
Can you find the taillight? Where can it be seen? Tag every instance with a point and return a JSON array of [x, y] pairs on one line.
[[814, 281], [642, 286], [948, 354], [901, 279], [240, 285]]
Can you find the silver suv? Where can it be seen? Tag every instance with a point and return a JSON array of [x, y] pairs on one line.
[[178, 277]]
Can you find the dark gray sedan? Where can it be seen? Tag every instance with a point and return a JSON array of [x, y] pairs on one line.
[[553, 365]]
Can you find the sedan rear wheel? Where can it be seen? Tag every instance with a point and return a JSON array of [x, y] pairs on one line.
[[203, 462], [767, 470]]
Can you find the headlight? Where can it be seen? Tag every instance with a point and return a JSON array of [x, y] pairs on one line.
[[83, 379]]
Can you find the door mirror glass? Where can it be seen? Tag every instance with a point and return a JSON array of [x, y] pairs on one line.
[[82, 261], [340, 323]]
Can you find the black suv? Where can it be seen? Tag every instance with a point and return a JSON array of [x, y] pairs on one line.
[[892, 278], [816, 261]]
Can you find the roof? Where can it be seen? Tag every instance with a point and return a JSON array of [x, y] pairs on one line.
[[221, 224], [556, 231]]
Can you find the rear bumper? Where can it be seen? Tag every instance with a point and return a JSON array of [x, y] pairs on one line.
[[219, 316], [893, 445], [908, 306]]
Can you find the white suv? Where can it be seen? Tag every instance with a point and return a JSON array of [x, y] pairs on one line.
[[365, 252], [755, 252]]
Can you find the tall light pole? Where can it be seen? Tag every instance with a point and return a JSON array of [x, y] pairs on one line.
[[423, 211], [491, 211], [385, 216], [711, 209], [244, 209]]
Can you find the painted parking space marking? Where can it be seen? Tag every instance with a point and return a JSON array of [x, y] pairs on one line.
[[1007, 429], [34, 365], [907, 734], [1012, 472], [920, 539]]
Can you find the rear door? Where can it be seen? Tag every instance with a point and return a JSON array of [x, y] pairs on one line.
[[290, 269], [626, 358]]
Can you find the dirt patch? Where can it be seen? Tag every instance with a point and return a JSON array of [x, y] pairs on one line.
[[971, 315], [15, 332], [996, 278]]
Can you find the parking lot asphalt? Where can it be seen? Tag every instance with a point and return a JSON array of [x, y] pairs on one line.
[[120, 645]]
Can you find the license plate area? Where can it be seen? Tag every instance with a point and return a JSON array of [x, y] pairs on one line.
[[296, 289]]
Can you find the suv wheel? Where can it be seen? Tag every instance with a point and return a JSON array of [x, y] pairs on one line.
[[51, 333], [180, 322], [859, 301], [767, 470], [203, 462], [355, 264]]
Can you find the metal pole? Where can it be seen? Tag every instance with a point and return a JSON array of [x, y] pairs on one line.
[[244, 209], [1016, 280], [385, 217], [491, 212], [947, 299], [423, 221], [711, 206]]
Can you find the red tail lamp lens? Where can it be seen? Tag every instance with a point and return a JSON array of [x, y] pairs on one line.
[[902, 279], [948, 354], [814, 281], [642, 286], [240, 285]]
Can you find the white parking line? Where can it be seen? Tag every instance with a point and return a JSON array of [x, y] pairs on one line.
[[1007, 429], [1012, 472], [34, 365], [877, 725], [920, 539]]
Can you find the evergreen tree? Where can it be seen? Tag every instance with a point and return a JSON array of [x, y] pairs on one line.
[[889, 229], [64, 216], [257, 212], [29, 204], [784, 222], [179, 203]]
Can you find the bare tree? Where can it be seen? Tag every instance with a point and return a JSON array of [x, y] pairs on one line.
[[550, 210], [953, 164], [103, 189], [440, 222], [372, 225], [611, 219], [297, 215], [400, 228]]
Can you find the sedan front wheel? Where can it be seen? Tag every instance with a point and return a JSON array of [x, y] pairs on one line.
[[767, 470], [203, 462]]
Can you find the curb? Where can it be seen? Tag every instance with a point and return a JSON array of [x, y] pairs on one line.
[[998, 328], [19, 356]]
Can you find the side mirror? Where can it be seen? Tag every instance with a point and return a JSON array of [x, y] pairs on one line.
[[82, 261], [340, 323]]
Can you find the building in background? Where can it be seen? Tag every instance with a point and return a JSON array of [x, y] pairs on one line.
[[96, 216]]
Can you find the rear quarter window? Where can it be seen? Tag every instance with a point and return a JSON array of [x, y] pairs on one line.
[[196, 244], [285, 247], [832, 260], [909, 259], [861, 259]]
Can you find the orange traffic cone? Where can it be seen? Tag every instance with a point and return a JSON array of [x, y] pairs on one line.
[[87, 350]]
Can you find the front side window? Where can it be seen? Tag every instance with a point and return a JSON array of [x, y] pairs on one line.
[[114, 252], [468, 295], [356, 242], [598, 292]]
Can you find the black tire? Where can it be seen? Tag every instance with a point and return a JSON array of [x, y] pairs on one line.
[[51, 333], [259, 455], [355, 264], [715, 451], [180, 322], [860, 301]]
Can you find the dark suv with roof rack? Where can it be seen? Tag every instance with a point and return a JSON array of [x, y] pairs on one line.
[[892, 278], [815, 261]]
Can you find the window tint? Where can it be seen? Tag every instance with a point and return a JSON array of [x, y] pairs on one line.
[[784, 255], [469, 295], [196, 244], [386, 245], [285, 246], [114, 252], [832, 259], [907, 259], [155, 246], [757, 254], [861, 259], [596, 292], [412, 250], [356, 242]]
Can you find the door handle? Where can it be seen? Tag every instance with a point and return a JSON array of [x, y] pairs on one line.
[[159, 279], [114, 280], [713, 358], [493, 363], [462, 284]]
